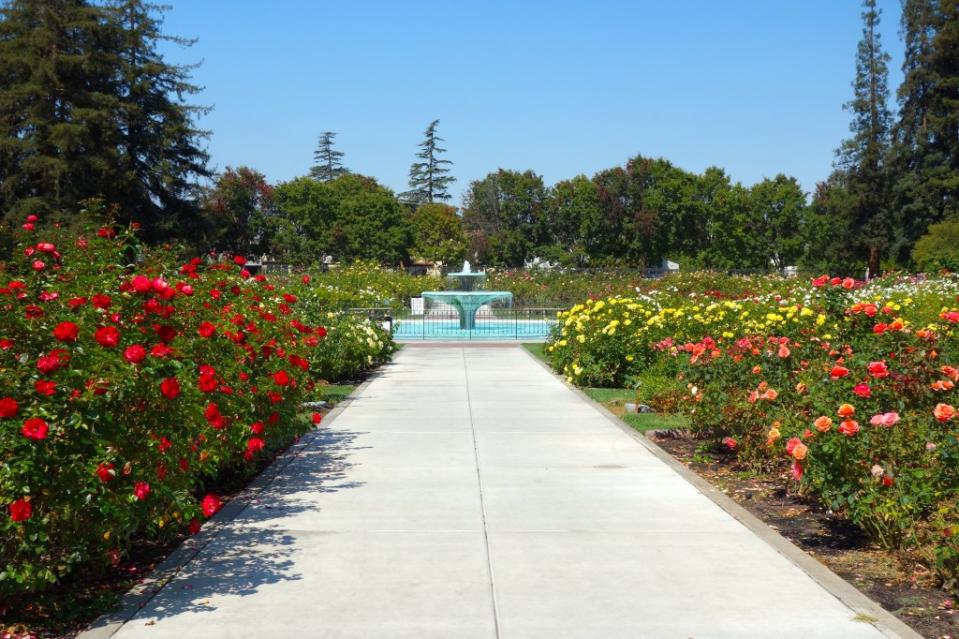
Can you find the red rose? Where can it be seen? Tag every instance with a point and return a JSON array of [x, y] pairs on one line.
[[45, 387], [281, 378], [105, 472], [161, 350], [838, 372], [21, 510], [142, 284], [878, 369], [107, 336], [862, 390], [134, 354], [165, 333], [317, 418], [207, 383], [253, 446], [211, 504], [206, 329], [35, 428], [8, 407], [321, 331], [194, 526], [240, 260], [66, 332], [170, 387], [101, 301], [52, 361], [256, 428], [141, 489]]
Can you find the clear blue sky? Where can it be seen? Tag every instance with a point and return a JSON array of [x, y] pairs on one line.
[[560, 87]]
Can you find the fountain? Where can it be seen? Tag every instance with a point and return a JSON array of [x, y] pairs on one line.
[[467, 300]]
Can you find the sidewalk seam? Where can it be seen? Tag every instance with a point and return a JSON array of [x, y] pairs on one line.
[[479, 485]]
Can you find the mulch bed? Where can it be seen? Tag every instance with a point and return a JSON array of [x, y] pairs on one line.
[[899, 583]]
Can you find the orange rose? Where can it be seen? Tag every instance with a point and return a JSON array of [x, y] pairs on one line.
[[848, 427], [823, 424], [846, 410], [944, 412], [771, 394], [800, 451]]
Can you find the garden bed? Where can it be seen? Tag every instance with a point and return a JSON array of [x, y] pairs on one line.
[[900, 583], [64, 612]]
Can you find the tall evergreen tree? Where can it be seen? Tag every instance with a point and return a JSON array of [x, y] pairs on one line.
[[927, 135], [89, 108], [327, 160], [864, 155], [159, 142], [58, 96], [428, 179]]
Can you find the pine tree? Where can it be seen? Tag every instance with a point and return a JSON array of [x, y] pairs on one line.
[[428, 179], [864, 155], [926, 148], [327, 160], [57, 103], [89, 108], [159, 142]]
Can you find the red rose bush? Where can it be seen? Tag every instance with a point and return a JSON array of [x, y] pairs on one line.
[[128, 379]]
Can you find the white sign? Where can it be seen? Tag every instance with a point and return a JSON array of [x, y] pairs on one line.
[[416, 305]]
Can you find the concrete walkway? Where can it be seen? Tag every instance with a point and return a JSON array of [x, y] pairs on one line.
[[466, 492]]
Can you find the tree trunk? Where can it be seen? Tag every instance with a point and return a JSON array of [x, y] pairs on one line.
[[874, 262]]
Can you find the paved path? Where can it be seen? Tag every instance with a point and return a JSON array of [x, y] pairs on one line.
[[468, 493]]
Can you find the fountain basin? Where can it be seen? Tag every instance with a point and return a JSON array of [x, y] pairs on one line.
[[467, 303]]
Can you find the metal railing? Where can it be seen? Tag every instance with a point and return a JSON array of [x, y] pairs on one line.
[[530, 324]]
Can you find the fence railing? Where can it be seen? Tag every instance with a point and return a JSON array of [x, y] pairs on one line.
[[490, 324]]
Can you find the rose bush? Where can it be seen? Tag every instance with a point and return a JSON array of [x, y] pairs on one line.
[[129, 379], [848, 386]]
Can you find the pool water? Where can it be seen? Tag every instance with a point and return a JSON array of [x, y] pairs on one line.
[[449, 329]]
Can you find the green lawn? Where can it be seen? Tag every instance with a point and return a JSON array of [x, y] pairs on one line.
[[335, 393], [614, 399], [617, 396], [538, 349], [655, 421]]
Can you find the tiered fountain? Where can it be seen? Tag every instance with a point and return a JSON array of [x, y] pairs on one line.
[[467, 300]]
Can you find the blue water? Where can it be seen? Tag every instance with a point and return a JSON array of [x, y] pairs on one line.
[[449, 329]]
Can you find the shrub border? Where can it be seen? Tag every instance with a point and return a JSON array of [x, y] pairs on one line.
[[864, 607], [108, 624]]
